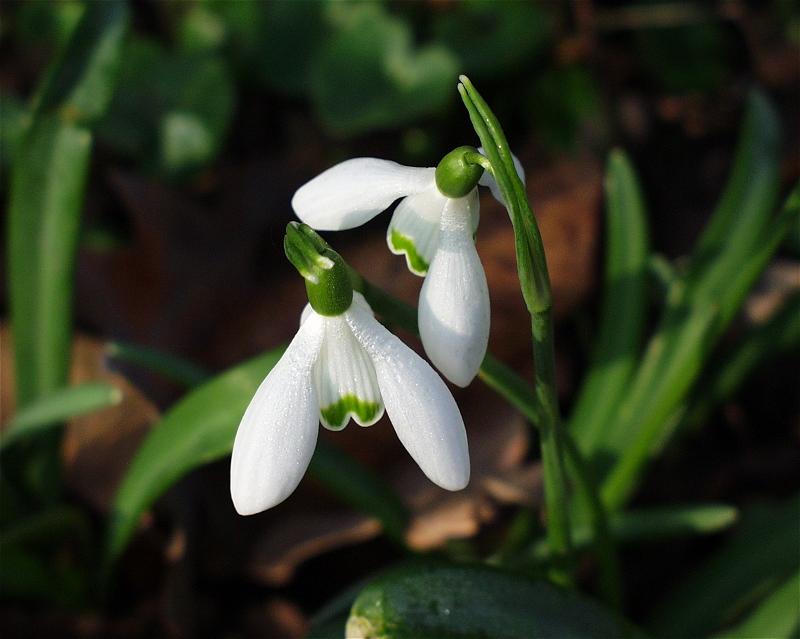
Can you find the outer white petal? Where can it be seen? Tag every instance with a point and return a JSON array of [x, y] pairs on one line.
[[278, 433], [345, 379], [353, 192], [414, 229], [423, 412], [488, 180], [454, 301]]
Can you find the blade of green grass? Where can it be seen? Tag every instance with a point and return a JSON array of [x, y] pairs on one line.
[[752, 188], [619, 336], [57, 407], [653, 525], [80, 83], [173, 368], [201, 428], [779, 334], [47, 185], [760, 554], [776, 617]]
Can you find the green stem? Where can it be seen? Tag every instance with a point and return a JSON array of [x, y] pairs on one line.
[[535, 285]]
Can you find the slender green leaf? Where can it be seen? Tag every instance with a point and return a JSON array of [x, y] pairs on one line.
[[46, 197], [752, 186], [619, 336], [171, 367], [678, 353], [780, 333], [652, 525], [57, 407], [776, 617], [760, 554], [441, 601], [79, 85], [201, 428]]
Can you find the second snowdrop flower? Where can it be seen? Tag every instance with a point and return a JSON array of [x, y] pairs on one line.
[[434, 227], [342, 364]]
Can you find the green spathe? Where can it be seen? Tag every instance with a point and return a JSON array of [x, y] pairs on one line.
[[328, 285], [457, 174], [338, 414]]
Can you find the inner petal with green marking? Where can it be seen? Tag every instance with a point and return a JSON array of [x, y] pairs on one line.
[[414, 229], [345, 379]]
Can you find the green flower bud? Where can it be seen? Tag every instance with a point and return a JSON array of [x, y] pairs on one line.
[[328, 285], [458, 173]]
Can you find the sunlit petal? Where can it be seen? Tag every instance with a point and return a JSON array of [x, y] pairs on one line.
[[353, 192], [422, 410], [454, 301], [278, 432]]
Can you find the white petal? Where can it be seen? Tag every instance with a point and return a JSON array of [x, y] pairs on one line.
[[487, 179], [353, 192], [278, 433], [454, 301], [345, 379], [423, 412], [414, 229]]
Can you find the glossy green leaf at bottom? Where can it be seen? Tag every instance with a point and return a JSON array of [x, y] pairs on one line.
[[442, 601]]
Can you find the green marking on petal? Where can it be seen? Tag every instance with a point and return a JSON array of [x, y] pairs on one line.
[[404, 245], [336, 416]]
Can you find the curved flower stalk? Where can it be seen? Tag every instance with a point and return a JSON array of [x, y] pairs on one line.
[[434, 227], [341, 364]]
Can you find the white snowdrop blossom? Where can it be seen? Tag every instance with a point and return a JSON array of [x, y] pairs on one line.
[[436, 235], [336, 368]]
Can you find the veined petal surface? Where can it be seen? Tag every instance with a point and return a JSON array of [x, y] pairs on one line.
[[414, 229], [353, 192], [278, 432], [487, 179], [345, 379], [454, 301], [422, 410]]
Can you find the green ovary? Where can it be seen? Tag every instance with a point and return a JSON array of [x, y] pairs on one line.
[[337, 414], [404, 244]]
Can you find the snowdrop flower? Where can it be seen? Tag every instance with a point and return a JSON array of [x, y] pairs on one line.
[[341, 364], [434, 228]]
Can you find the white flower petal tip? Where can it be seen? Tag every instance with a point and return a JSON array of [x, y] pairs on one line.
[[487, 179], [454, 310], [278, 432], [414, 229], [422, 410], [353, 192]]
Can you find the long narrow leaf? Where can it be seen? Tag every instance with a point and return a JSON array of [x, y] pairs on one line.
[[80, 83], [655, 524], [201, 427], [622, 320], [761, 553], [776, 617], [47, 187], [57, 407]]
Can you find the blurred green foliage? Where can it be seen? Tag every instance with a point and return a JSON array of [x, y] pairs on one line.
[[172, 110]]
